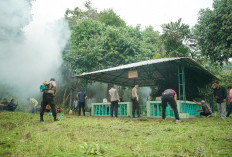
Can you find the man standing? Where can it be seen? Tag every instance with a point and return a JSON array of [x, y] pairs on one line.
[[220, 95], [114, 99], [48, 98], [169, 96], [81, 97], [229, 101], [135, 101]]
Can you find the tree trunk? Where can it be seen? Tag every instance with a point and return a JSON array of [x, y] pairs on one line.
[[65, 99], [71, 99]]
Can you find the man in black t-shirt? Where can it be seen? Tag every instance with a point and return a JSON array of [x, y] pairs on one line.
[[81, 96]]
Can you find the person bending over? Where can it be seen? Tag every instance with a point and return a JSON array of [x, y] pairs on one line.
[[169, 96]]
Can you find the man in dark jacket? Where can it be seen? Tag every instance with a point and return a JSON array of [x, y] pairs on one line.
[[220, 95]]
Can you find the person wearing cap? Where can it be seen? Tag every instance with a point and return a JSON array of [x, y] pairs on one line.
[[220, 95], [49, 98], [205, 108], [114, 99], [169, 96], [229, 101]]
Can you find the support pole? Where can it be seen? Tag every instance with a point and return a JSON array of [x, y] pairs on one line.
[[181, 82], [178, 69], [85, 89], [85, 85]]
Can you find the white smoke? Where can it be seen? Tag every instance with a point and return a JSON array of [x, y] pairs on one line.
[[28, 59]]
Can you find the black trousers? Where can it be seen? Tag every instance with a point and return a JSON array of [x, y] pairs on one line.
[[230, 110], [205, 114], [135, 105], [81, 106], [48, 99], [169, 99], [114, 106]]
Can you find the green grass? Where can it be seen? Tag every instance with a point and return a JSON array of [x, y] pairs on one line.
[[21, 134]]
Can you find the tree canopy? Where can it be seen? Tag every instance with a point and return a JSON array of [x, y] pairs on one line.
[[102, 40], [110, 18], [174, 34], [213, 31], [97, 46]]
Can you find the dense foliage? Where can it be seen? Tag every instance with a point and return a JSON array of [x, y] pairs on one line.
[[213, 31], [104, 42], [110, 18], [174, 35]]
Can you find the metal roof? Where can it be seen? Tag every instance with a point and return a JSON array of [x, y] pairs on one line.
[[150, 71], [161, 73], [132, 65]]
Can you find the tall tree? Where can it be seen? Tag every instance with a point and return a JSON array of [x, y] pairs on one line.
[[96, 46], [213, 31], [110, 18], [174, 34], [76, 15]]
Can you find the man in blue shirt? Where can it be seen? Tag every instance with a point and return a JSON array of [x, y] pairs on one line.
[[81, 96]]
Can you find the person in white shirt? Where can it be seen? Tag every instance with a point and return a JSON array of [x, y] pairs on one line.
[[114, 99]]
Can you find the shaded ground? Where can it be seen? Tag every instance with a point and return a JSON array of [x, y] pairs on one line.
[[21, 134]]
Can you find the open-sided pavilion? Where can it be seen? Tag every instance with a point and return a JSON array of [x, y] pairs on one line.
[[181, 74]]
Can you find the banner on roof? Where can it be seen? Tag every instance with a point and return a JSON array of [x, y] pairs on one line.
[[133, 74]]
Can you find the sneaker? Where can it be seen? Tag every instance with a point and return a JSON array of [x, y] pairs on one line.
[[56, 119], [41, 120], [209, 115], [178, 121]]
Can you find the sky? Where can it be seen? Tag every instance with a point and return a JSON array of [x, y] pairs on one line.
[[144, 12]]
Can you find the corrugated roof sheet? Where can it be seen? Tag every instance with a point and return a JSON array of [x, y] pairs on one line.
[[127, 66], [161, 73]]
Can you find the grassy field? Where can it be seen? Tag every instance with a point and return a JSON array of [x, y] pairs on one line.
[[21, 134]]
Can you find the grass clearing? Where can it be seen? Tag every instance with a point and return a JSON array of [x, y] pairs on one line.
[[23, 135]]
